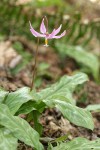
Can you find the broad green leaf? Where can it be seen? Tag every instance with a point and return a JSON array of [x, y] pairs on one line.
[[30, 106], [19, 128], [37, 126], [26, 108], [59, 95], [95, 107], [78, 144], [15, 99], [76, 115], [3, 95], [61, 90], [81, 56], [7, 140]]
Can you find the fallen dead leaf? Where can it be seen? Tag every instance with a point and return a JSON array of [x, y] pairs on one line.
[[8, 56]]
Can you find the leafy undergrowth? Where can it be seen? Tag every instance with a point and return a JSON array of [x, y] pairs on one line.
[[63, 111], [25, 104], [82, 57], [32, 103]]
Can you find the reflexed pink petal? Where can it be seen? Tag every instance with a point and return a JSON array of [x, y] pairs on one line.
[[42, 27], [59, 36], [35, 33], [58, 30], [50, 36]]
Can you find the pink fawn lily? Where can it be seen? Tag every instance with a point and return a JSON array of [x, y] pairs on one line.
[[45, 34]]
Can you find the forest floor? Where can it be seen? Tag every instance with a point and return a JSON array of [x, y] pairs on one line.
[[54, 124]]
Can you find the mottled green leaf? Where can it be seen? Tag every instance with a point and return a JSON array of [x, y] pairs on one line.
[[37, 126], [60, 95], [30, 106], [3, 95], [19, 128], [78, 144], [26, 108], [95, 107], [76, 115], [15, 99], [61, 90], [7, 140], [81, 56]]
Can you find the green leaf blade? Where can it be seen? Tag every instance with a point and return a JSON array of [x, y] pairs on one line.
[[15, 99], [78, 116], [7, 140], [95, 107], [62, 90], [78, 144], [81, 56], [19, 128], [3, 95]]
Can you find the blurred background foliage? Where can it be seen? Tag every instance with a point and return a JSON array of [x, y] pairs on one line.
[[80, 18]]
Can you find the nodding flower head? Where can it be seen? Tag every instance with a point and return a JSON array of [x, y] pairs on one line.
[[44, 32]]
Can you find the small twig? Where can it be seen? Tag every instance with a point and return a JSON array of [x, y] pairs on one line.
[[35, 65]]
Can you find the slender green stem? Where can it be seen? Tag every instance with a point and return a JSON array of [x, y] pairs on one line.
[[99, 62], [35, 65]]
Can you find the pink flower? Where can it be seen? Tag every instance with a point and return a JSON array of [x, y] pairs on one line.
[[44, 32]]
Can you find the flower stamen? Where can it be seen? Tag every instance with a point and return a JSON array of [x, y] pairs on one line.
[[46, 42]]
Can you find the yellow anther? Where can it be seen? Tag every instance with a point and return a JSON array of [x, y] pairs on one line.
[[46, 42]]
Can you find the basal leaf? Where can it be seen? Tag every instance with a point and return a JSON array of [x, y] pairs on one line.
[[7, 140], [19, 128], [76, 115], [60, 95], [81, 56], [15, 99], [37, 126], [26, 108], [61, 90], [78, 144], [30, 106], [95, 107], [3, 95]]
